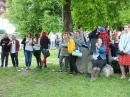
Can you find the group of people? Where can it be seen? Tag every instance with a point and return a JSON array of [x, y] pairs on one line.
[[31, 46], [69, 43]]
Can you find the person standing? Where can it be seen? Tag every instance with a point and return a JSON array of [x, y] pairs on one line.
[[124, 46], [36, 48], [44, 41], [28, 49], [74, 44], [5, 50], [64, 52], [106, 39], [52, 40], [14, 48]]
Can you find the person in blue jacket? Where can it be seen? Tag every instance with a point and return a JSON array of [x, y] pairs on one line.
[[99, 59]]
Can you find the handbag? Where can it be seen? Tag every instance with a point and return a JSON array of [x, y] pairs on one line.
[[121, 52], [77, 53], [46, 52]]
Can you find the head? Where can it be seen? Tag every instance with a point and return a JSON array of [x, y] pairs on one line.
[[5, 35], [43, 34], [100, 41], [80, 27], [97, 29], [29, 35], [13, 37], [66, 35], [77, 34], [127, 28], [107, 27], [102, 29], [36, 35]]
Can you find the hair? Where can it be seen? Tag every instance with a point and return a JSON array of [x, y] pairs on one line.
[[127, 25], [78, 31], [79, 26], [107, 31], [62, 37], [36, 37], [43, 34], [30, 34]]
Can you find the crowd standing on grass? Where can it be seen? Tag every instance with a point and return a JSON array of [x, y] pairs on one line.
[[70, 46]]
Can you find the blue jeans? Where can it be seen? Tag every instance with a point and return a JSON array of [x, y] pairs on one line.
[[52, 45], [28, 57]]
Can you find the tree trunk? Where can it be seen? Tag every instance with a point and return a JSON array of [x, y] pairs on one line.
[[67, 19]]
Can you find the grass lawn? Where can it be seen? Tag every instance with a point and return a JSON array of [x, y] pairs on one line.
[[46, 83]]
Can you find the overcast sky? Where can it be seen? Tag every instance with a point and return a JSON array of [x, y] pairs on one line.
[[4, 24]]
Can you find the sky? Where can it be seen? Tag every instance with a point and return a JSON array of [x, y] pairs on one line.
[[4, 24]]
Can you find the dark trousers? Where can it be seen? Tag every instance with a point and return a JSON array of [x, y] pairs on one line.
[[4, 55], [14, 59], [107, 58], [37, 54], [73, 66], [113, 51]]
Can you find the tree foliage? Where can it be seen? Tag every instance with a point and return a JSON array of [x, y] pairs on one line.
[[35, 15], [92, 13], [47, 15]]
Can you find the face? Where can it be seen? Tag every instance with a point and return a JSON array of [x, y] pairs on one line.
[[98, 30], [77, 34], [99, 41], [13, 37], [108, 28], [126, 28], [5, 35], [65, 36], [29, 35]]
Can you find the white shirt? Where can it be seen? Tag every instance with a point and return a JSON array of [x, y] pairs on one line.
[[13, 46], [28, 45], [37, 46], [52, 37]]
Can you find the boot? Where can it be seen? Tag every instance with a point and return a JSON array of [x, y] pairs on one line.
[[93, 74], [97, 73]]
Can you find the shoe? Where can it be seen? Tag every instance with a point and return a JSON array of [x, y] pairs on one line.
[[40, 67], [60, 71], [77, 74], [45, 66], [1, 66], [123, 77], [27, 68], [129, 79]]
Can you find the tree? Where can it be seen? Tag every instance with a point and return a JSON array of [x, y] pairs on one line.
[[67, 16], [35, 16]]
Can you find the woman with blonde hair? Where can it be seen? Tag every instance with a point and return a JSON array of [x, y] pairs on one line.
[[124, 47]]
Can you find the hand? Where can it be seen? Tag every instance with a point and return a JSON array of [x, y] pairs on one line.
[[26, 41], [96, 44]]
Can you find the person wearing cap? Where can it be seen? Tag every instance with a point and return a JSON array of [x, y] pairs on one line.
[[106, 40], [5, 50], [14, 48]]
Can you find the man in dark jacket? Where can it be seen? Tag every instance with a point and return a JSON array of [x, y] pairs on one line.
[[5, 50]]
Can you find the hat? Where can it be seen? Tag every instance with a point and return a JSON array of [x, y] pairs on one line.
[[102, 29]]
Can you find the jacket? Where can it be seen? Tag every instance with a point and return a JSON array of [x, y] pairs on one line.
[[100, 51], [71, 46], [106, 40], [17, 46], [4, 43], [44, 43]]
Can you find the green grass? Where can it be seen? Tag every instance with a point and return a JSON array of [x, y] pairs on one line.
[[46, 83]]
